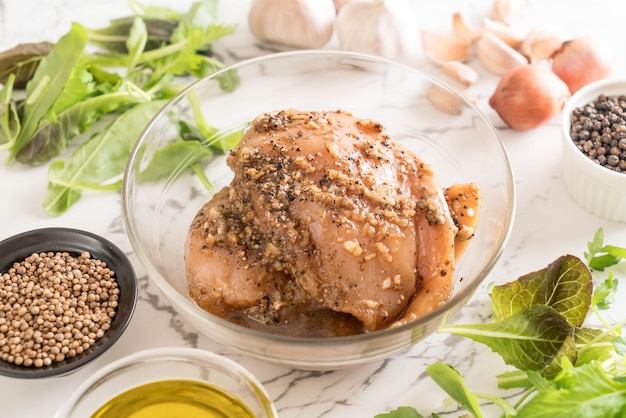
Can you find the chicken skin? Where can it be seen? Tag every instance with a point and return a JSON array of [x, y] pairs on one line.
[[326, 212]]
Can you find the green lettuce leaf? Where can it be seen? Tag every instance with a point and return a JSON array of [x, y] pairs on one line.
[[579, 392], [527, 340], [566, 285]]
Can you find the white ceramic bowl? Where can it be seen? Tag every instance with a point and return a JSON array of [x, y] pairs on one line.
[[462, 147], [598, 189]]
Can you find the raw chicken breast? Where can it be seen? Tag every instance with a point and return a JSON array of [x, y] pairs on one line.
[[328, 207]]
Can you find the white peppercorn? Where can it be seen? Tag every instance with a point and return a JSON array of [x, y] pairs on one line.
[[48, 305]]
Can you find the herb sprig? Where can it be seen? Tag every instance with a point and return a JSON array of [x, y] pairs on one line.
[[565, 368]]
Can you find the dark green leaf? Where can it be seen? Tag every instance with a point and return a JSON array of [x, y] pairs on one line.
[[48, 82], [579, 392], [22, 60], [528, 340], [101, 158], [451, 381], [566, 285], [401, 412]]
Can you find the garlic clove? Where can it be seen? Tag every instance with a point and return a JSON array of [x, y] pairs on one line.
[[294, 23], [502, 31], [541, 42], [501, 11], [444, 100], [581, 61], [340, 3], [529, 96], [496, 56], [441, 47], [460, 72], [378, 27], [463, 28]]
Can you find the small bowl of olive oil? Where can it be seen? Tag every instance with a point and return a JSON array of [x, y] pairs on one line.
[[166, 382]]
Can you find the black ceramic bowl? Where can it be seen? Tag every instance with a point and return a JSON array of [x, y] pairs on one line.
[[73, 241]]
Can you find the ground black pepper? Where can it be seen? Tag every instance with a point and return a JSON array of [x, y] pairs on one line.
[[598, 130], [54, 306]]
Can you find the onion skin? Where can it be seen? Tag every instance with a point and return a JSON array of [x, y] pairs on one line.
[[529, 96], [581, 61]]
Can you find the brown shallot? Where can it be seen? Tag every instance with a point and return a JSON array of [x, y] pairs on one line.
[[529, 96], [581, 61]]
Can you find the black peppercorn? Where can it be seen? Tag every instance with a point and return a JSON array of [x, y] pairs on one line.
[[598, 130]]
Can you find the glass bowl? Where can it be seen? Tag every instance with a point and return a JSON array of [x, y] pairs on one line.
[[451, 134], [170, 364], [73, 241]]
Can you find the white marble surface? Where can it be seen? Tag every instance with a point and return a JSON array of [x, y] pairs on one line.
[[548, 224]]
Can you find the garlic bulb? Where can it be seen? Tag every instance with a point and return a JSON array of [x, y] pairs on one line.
[[581, 61], [380, 27], [296, 23], [529, 96]]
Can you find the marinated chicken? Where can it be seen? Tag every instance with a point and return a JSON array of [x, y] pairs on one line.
[[329, 227]]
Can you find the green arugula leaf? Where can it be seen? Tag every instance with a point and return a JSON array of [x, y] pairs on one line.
[[79, 85], [173, 159], [53, 135], [48, 82], [401, 412], [136, 42], [101, 158], [583, 391], [154, 12], [528, 340], [9, 119], [566, 285], [449, 379]]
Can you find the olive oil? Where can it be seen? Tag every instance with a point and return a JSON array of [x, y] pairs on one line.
[[173, 399]]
